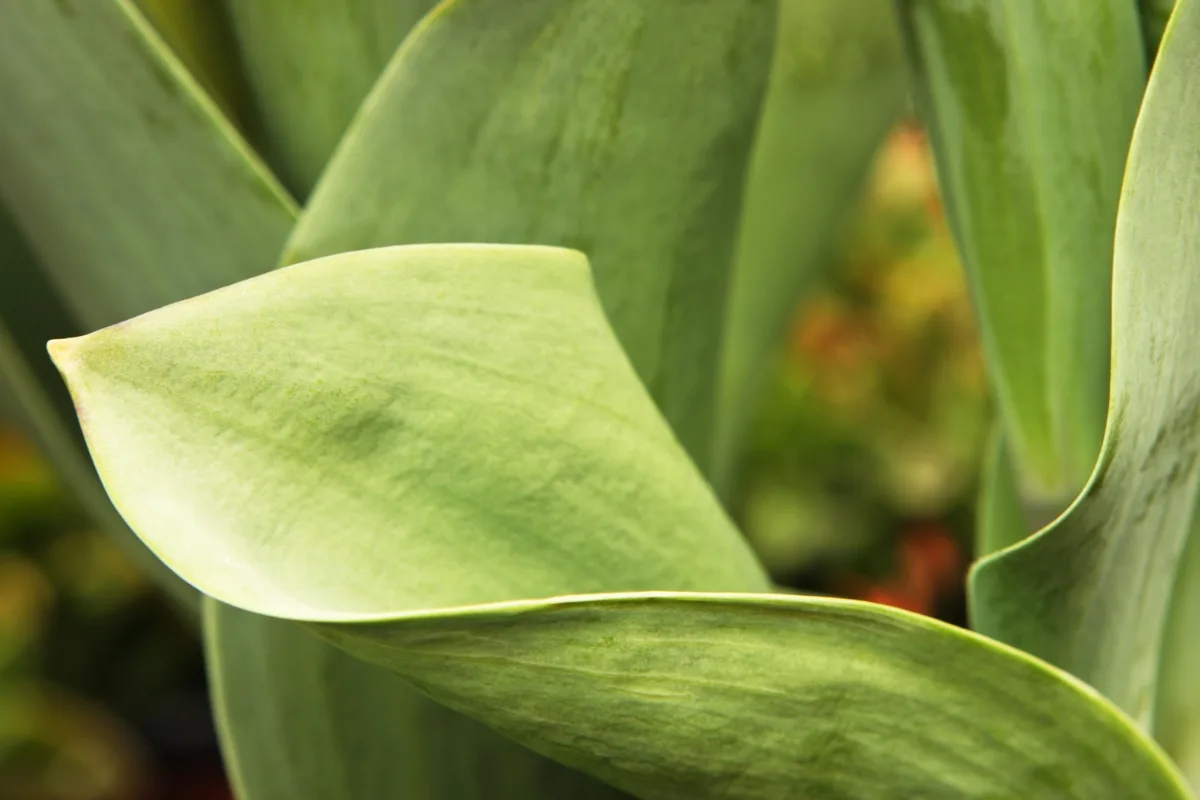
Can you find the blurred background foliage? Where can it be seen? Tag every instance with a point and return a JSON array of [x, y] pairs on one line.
[[858, 481], [860, 475]]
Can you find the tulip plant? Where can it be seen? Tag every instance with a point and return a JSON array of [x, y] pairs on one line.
[[445, 488]]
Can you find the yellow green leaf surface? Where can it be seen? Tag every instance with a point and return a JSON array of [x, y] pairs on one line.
[[621, 128], [434, 454], [134, 193], [1091, 592]]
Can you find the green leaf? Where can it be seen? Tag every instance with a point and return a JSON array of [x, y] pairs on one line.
[[1000, 516], [309, 64], [1155, 14], [1177, 711], [341, 728], [127, 190], [199, 34], [1090, 593], [751, 696], [837, 86], [621, 128], [374, 441], [600, 73], [1030, 106], [127, 182], [390, 358]]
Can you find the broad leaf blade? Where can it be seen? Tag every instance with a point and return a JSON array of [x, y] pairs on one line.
[[341, 729], [751, 696], [134, 192], [837, 86], [411, 375], [310, 63], [621, 128], [543, 466], [1091, 592], [399, 153], [1030, 106], [1177, 712]]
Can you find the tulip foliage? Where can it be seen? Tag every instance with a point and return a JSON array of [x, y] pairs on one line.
[[413, 345]]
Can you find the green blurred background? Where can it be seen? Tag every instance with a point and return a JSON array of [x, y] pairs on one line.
[[859, 481]]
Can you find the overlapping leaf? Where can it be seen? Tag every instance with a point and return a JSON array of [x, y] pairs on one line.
[[570, 94], [1091, 592], [138, 194], [376, 440], [837, 86], [30, 392], [309, 64], [1030, 107], [621, 128], [130, 187], [317, 738]]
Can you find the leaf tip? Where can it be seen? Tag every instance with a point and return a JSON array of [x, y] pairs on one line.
[[68, 356]]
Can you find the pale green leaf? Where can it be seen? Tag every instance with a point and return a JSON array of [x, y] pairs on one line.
[[399, 168], [309, 64], [752, 696], [372, 441], [837, 86], [1030, 106], [620, 128], [1090, 593], [411, 376]]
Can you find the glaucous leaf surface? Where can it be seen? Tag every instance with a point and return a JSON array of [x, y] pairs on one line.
[[621, 128], [116, 153], [410, 376], [1090, 593], [338, 728], [1030, 107], [837, 86], [126, 190], [405, 155], [309, 64], [380, 441], [127, 182]]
